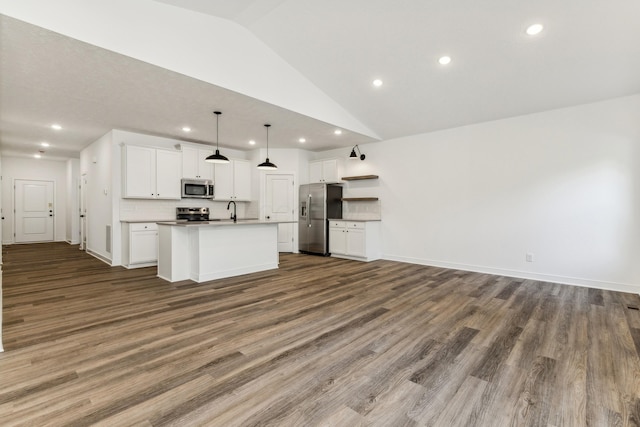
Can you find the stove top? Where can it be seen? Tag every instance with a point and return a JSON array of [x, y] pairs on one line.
[[192, 214]]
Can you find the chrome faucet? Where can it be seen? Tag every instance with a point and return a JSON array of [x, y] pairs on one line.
[[234, 217]]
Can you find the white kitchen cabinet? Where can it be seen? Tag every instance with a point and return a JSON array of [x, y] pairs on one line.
[[150, 173], [337, 237], [193, 164], [242, 180], [233, 180], [358, 240], [140, 244], [325, 171]]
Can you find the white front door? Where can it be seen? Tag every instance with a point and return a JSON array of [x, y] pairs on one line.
[[279, 207], [34, 211]]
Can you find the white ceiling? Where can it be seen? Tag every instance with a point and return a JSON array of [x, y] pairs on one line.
[[589, 51]]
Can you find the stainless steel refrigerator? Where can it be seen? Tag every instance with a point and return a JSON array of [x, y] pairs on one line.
[[318, 203]]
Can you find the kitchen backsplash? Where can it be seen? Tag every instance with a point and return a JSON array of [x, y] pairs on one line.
[[369, 210], [165, 210]]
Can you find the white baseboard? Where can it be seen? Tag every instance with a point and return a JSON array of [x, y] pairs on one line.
[[98, 256], [564, 280]]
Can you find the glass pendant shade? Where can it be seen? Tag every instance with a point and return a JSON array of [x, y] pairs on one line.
[[267, 165], [217, 157]]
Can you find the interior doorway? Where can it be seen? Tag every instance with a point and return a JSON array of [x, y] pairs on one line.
[[34, 211], [279, 206]]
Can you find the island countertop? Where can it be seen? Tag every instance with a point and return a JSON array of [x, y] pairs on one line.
[[222, 223]]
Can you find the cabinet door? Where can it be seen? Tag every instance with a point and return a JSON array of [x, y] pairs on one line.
[[168, 174], [189, 162], [337, 240], [223, 181], [356, 242], [205, 169], [330, 170], [144, 247], [139, 180], [315, 172], [242, 180]]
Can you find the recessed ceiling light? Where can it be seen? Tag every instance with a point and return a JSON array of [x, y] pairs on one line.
[[534, 29], [377, 82], [302, 140], [44, 144], [56, 126], [186, 129], [444, 60], [252, 142], [37, 156], [337, 132]]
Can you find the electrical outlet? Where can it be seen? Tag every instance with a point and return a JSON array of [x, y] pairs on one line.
[[529, 257]]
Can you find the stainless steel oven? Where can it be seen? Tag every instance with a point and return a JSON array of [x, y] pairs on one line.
[[197, 189]]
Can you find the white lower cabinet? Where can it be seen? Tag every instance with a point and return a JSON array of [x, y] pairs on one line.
[[140, 244], [359, 240]]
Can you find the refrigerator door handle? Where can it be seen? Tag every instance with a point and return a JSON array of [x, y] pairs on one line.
[[308, 213]]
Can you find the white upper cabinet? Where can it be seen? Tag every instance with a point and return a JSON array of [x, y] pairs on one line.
[[150, 173], [193, 164], [233, 180], [242, 180], [325, 171]]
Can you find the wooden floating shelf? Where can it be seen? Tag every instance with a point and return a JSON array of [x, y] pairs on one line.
[[359, 199], [355, 178]]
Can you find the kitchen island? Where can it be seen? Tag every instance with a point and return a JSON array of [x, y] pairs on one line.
[[209, 250]]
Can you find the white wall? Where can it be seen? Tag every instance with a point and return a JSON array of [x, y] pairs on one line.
[[1, 305], [563, 185], [33, 169], [96, 168], [72, 218]]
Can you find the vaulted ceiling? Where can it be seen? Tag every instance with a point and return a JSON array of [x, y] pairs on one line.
[[586, 52]]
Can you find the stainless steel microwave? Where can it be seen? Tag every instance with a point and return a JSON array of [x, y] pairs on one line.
[[197, 189]]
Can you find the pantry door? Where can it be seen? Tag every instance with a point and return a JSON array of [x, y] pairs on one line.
[[279, 207], [34, 213]]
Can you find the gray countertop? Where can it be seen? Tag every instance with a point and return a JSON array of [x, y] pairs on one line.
[[173, 220], [354, 220], [221, 223], [137, 221]]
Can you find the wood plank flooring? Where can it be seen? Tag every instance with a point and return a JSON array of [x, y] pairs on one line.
[[320, 341]]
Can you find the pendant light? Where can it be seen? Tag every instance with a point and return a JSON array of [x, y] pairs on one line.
[[217, 157], [267, 165]]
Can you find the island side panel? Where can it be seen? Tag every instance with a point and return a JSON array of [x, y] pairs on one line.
[[233, 250], [173, 253]]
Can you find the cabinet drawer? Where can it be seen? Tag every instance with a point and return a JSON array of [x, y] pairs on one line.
[[358, 225], [336, 224], [146, 226]]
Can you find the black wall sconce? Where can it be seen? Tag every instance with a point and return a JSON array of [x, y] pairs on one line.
[[353, 154]]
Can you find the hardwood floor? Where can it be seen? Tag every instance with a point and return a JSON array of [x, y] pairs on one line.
[[320, 341]]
